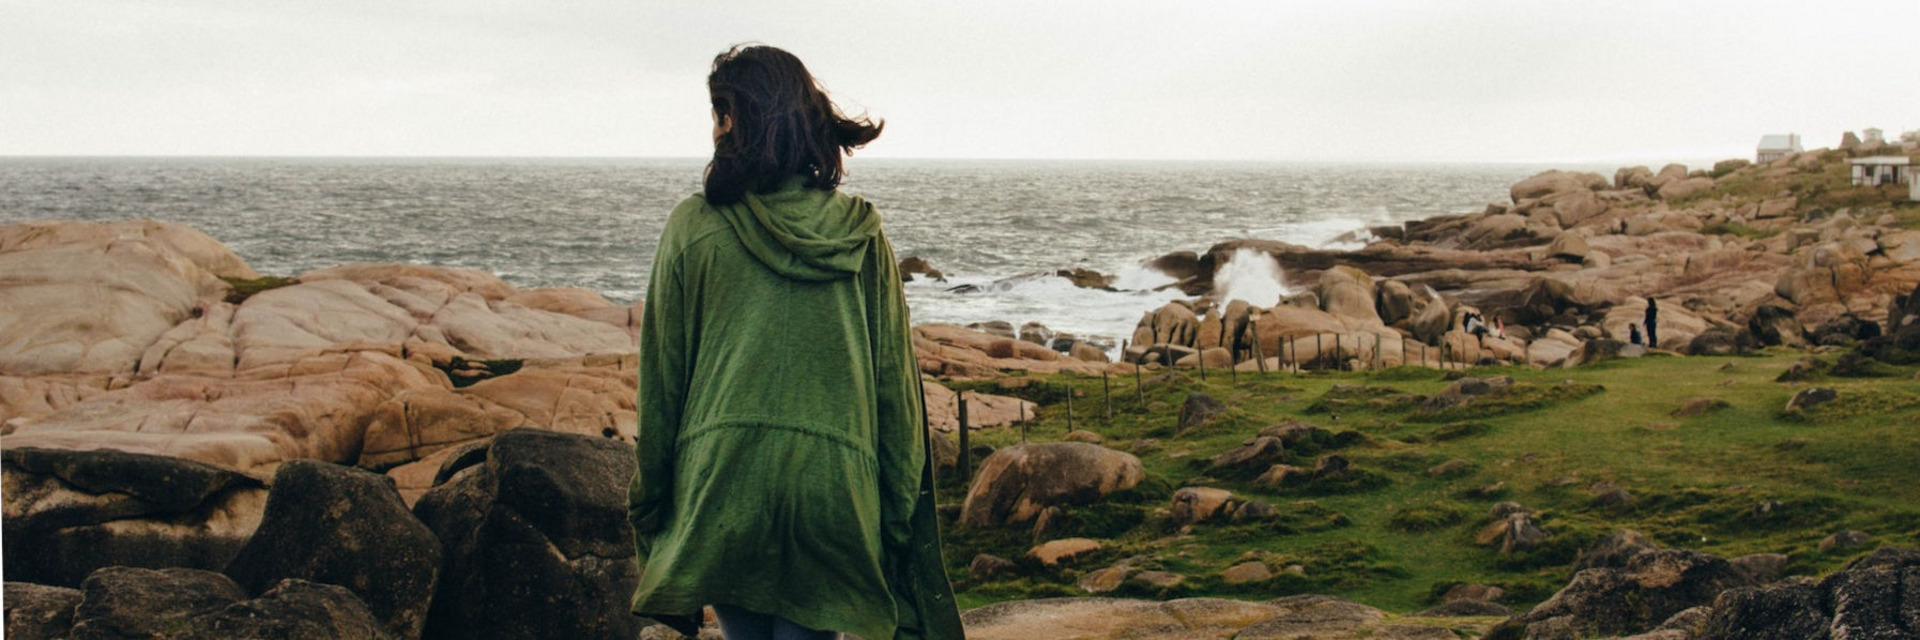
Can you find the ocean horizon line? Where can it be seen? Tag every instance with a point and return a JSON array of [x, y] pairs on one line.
[[856, 160]]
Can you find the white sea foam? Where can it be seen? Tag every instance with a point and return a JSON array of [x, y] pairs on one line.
[[1250, 275], [594, 223]]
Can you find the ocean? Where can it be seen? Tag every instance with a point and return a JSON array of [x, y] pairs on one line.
[[593, 223]]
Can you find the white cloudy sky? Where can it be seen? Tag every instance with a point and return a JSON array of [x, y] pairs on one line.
[[1358, 80]]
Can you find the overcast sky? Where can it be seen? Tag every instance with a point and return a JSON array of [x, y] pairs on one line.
[[1389, 80]]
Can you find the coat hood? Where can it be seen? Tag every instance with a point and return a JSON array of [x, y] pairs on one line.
[[805, 234]]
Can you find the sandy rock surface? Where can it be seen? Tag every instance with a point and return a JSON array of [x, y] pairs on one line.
[[125, 336]]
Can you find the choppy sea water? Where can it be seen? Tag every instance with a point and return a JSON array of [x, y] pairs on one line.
[[593, 222]]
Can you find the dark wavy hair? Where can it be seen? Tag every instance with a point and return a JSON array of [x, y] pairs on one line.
[[783, 125]]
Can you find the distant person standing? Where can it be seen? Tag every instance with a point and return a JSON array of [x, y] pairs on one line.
[[1633, 334], [1653, 323], [784, 477]]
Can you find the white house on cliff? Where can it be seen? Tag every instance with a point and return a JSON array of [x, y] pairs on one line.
[[1777, 146]]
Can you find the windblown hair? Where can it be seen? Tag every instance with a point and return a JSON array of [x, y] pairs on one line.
[[783, 125]]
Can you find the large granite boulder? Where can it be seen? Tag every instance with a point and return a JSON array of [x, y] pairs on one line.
[[1775, 325], [1680, 189], [1395, 301], [536, 538], [1348, 293], [68, 513], [1826, 273], [1016, 482], [129, 336], [1678, 324], [1628, 588], [249, 421], [1877, 596], [185, 604], [1174, 323], [292, 610], [1253, 456], [85, 297], [1555, 181], [339, 525], [127, 602], [39, 612], [1289, 618]]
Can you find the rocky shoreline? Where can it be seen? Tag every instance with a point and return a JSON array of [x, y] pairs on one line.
[[193, 448]]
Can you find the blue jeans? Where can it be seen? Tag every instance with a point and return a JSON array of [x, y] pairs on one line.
[[741, 624]]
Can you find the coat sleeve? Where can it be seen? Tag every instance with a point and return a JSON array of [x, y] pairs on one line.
[[902, 431], [666, 358]]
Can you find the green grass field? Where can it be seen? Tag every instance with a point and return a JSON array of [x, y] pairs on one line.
[[1743, 478]]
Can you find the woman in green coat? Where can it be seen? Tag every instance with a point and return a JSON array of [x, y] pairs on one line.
[[783, 472]]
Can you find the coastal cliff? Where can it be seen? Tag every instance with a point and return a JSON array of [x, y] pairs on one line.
[[174, 421]]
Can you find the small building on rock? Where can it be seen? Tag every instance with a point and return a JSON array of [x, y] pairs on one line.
[[1777, 146], [1880, 170]]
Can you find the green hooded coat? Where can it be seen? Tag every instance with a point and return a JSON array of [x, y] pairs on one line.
[[782, 438]]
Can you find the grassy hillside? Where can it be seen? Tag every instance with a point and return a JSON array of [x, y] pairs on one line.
[[1741, 478]]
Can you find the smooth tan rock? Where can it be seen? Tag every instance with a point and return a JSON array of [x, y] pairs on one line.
[[1174, 323], [954, 351], [1249, 571], [1088, 353], [1193, 505], [413, 479], [92, 306], [1348, 293], [418, 422], [1104, 580], [1016, 482], [1054, 552], [1825, 273], [1555, 181], [1082, 435], [403, 276], [199, 346], [1573, 209], [1096, 618], [26, 397], [1683, 188], [1571, 246], [983, 409], [1396, 301], [1214, 358], [1678, 325], [317, 408]]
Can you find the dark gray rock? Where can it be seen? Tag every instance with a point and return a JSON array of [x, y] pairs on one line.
[[127, 602], [38, 611], [1845, 330], [1876, 597], [463, 457], [1787, 611], [1466, 609], [344, 526], [986, 566], [1761, 567], [1717, 341], [1254, 456], [291, 610], [117, 603], [69, 513], [1053, 522], [1844, 540], [1255, 511], [537, 541], [1647, 588], [1198, 410], [1464, 390], [1774, 325], [1811, 396]]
